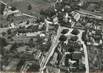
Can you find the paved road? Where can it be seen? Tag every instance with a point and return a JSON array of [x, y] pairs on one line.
[[85, 52], [52, 49]]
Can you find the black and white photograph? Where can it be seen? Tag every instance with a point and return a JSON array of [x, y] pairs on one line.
[[51, 36]]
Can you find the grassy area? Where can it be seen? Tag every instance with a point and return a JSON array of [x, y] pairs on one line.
[[40, 1], [37, 5]]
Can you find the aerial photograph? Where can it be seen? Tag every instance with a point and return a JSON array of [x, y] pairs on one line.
[[51, 36]]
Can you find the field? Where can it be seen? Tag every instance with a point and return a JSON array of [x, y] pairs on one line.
[[37, 5]]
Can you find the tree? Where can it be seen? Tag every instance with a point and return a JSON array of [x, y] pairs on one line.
[[2, 7], [66, 2], [63, 38], [3, 33], [31, 43], [13, 8], [74, 38], [64, 31], [59, 6], [84, 36], [3, 42], [10, 17], [9, 31], [75, 32], [14, 46], [42, 12], [29, 7]]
